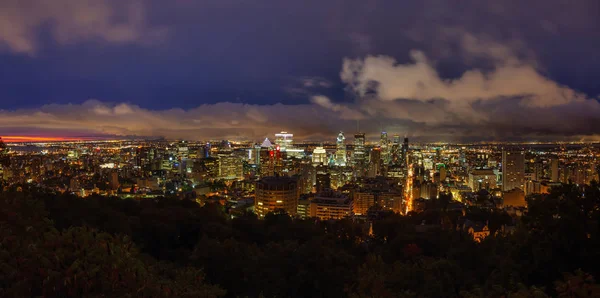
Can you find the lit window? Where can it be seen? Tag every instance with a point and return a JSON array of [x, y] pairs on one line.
[[279, 201]]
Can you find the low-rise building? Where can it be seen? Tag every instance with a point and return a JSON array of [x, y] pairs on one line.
[[331, 205]]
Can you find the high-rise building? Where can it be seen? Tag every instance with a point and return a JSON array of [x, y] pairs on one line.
[[360, 157], [359, 149], [284, 140], [554, 169], [276, 193], [319, 156], [254, 154], [375, 162], [396, 150], [385, 148], [114, 180], [231, 167], [513, 169], [323, 178], [340, 153], [183, 150], [209, 167], [538, 171], [443, 172]]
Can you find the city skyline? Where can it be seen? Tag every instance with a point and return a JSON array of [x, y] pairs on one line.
[[357, 148], [427, 70]]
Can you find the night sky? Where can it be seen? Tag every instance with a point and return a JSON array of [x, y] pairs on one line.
[[433, 70]]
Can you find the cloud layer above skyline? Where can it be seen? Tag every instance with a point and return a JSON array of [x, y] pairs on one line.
[[508, 70]]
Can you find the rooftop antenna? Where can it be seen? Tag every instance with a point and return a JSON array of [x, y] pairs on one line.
[[358, 125]]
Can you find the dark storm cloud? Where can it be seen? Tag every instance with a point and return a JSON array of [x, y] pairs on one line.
[[433, 69]]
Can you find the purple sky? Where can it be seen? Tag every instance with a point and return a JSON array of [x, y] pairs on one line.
[[429, 69]]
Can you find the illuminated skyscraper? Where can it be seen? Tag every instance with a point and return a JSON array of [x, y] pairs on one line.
[[513, 169], [340, 153], [385, 148], [359, 154], [254, 154], [396, 150], [319, 156], [359, 148], [284, 140]]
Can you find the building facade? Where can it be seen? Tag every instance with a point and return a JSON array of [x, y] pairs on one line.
[[513, 169], [331, 205], [276, 193]]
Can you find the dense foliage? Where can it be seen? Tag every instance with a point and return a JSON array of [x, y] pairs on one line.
[[63, 246]]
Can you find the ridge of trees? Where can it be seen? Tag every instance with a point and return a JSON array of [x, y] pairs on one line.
[[58, 245]]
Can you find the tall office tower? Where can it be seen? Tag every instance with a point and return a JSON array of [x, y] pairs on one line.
[[554, 169], [114, 180], [359, 155], [208, 150], [396, 150], [513, 169], [405, 150], [340, 153], [254, 154], [319, 156], [276, 193], [284, 140], [385, 148], [323, 179], [375, 162], [359, 148], [267, 158]]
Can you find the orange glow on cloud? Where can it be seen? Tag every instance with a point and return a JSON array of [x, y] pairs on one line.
[[34, 139]]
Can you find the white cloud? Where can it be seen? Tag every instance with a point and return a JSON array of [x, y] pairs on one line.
[[71, 21], [420, 81]]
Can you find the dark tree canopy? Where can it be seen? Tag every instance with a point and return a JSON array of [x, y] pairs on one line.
[[57, 245]]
